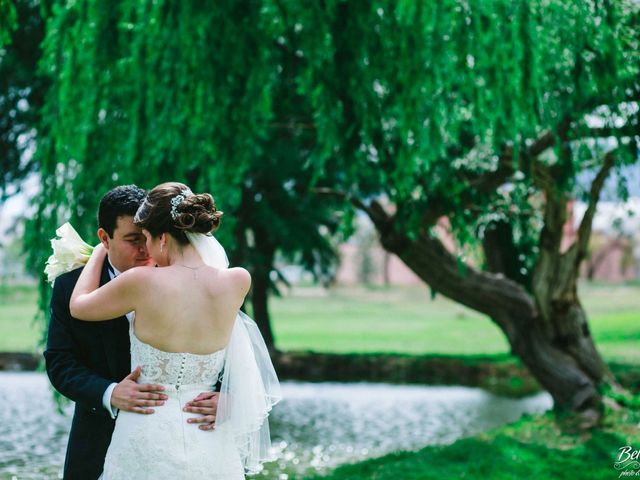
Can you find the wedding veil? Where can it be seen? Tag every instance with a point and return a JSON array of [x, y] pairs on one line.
[[250, 386]]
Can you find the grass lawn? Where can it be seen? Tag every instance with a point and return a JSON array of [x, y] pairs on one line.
[[18, 306], [532, 448], [400, 320], [407, 320]]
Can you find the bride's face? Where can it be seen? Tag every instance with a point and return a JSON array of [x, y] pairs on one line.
[[156, 248]]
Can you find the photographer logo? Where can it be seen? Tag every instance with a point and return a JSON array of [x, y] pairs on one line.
[[628, 462]]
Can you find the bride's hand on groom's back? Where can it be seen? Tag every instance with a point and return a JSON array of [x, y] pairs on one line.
[[137, 397], [205, 404]]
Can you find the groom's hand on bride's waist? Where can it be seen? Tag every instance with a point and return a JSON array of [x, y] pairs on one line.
[[205, 404], [137, 397]]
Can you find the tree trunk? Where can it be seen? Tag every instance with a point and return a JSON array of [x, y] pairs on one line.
[[385, 269], [569, 367], [262, 264], [562, 358], [259, 301], [257, 255], [559, 351]]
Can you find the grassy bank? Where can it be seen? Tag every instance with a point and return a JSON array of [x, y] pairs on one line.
[[533, 448], [18, 331], [393, 320]]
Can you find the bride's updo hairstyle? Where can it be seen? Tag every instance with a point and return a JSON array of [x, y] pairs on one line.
[[172, 208]]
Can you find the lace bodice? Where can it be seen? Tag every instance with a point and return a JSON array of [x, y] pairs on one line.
[[175, 369]]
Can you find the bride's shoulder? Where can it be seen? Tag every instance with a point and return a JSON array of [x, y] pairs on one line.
[[239, 273], [239, 276]]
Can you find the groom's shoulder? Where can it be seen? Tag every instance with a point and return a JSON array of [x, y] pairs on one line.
[[69, 279]]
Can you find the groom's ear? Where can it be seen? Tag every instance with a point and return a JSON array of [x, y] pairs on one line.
[[104, 237]]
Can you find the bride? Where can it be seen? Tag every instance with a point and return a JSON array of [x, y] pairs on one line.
[[187, 334]]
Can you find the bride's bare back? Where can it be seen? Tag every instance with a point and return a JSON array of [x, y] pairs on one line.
[[189, 310]]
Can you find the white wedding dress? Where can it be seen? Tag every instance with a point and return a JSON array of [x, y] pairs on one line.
[[163, 445]]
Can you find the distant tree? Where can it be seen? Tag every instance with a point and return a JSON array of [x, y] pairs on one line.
[[365, 240]]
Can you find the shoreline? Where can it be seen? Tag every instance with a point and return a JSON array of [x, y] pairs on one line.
[[503, 374]]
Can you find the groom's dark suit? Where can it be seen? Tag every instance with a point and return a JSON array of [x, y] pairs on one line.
[[83, 359]]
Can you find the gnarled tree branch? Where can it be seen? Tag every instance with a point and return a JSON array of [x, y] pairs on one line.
[[584, 230]]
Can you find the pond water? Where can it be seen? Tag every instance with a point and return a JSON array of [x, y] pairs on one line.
[[316, 427]]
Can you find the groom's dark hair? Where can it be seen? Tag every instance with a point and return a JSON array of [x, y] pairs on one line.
[[122, 200]]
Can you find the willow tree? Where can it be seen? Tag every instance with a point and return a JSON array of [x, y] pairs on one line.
[[150, 91], [479, 111], [484, 113]]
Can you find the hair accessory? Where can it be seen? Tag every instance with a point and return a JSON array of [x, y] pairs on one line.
[[177, 200]]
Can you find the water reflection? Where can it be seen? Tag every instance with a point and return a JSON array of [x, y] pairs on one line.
[[316, 426]]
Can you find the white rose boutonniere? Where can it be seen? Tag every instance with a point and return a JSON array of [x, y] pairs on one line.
[[69, 252]]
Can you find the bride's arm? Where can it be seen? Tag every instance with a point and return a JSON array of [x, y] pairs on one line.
[[91, 302]]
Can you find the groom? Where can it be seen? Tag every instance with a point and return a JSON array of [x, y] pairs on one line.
[[90, 363]]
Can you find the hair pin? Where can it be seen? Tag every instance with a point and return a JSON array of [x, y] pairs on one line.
[[177, 200]]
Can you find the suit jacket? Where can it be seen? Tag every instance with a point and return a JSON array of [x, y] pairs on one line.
[[82, 360]]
